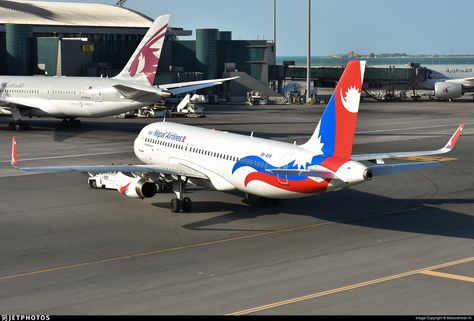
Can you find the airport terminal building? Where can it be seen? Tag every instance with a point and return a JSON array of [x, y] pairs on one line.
[[72, 39]]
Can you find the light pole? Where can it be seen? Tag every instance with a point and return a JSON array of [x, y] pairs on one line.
[[308, 58], [274, 23]]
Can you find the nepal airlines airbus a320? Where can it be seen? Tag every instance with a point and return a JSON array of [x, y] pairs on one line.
[[68, 98], [176, 155]]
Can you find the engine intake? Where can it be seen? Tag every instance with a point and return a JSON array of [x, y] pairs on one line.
[[145, 189]]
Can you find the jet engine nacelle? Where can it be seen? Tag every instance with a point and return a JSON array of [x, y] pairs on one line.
[[448, 90], [353, 172], [135, 187], [5, 111]]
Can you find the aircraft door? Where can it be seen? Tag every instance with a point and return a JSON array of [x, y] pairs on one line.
[[187, 151], [47, 92], [98, 95], [285, 160]]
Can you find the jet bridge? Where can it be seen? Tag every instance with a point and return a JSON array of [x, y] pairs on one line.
[[383, 77]]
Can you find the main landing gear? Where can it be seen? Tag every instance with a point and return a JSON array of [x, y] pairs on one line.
[[180, 203], [71, 123], [18, 125], [24, 125], [269, 202]]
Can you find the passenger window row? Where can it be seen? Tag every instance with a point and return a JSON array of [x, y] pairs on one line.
[[193, 150], [20, 91], [35, 91]]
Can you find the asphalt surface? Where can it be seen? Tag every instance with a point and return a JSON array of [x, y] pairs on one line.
[[395, 245]]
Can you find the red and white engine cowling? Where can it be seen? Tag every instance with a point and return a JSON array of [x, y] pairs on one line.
[[135, 187]]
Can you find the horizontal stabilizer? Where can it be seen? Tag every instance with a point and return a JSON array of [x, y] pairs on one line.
[[186, 87], [134, 91], [381, 170], [304, 173]]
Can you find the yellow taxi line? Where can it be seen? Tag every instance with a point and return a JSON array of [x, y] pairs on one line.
[[448, 276], [429, 158], [191, 246], [348, 288]]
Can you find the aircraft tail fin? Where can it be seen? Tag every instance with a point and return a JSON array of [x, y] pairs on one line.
[[141, 68], [334, 135]]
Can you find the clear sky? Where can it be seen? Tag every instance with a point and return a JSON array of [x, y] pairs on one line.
[[339, 26]]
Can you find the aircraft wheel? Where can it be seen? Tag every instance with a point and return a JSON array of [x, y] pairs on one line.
[[187, 205], [93, 184], [65, 123], [11, 125], [275, 202], [75, 123], [175, 205], [21, 126], [264, 202]]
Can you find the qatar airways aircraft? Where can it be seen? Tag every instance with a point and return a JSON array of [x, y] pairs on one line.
[[68, 98], [273, 170]]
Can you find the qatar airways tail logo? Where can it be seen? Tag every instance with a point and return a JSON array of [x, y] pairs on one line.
[[146, 60]]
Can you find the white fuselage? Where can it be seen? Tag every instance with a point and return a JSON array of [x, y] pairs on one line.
[[461, 74], [231, 161], [67, 97]]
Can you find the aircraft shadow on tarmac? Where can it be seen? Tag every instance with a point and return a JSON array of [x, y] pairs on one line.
[[419, 216]]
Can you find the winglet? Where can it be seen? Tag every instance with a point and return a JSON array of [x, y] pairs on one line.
[[14, 161], [452, 142]]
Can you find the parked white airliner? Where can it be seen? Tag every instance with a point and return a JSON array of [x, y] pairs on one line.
[[176, 154], [449, 82], [68, 98]]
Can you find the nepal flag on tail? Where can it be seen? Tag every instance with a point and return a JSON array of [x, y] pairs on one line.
[[335, 131]]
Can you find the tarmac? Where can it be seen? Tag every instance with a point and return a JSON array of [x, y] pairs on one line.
[[400, 244]]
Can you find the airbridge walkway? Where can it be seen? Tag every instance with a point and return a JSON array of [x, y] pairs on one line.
[[394, 78]]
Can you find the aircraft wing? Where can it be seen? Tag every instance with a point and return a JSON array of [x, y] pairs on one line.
[[381, 170], [20, 102], [185, 87], [466, 82], [96, 169], [376, 170], [380, 156]]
